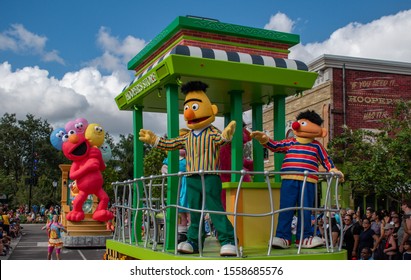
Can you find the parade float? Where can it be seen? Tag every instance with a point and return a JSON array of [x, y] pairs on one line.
[[245, 68]]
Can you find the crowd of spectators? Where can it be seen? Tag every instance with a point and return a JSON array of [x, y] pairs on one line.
[[9, 228], [376, 235]]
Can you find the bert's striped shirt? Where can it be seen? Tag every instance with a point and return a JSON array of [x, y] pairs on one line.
[[202, 149], [300, 157]]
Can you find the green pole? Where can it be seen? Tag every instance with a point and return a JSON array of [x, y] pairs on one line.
[[258, 152], [237, 141], [279, 130], [138, 167], [173, 163]]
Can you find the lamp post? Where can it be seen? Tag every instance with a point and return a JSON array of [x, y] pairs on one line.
[[55, 184]]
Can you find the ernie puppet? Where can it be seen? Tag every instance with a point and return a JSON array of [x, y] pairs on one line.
[[202, 144], [302, 153]]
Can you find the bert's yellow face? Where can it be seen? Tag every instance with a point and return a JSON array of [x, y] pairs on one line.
[[198, 110]]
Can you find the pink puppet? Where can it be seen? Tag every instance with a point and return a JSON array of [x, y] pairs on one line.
[[78, 125], [225, 163], [87, 165]]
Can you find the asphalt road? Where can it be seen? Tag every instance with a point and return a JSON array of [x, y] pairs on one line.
[[33, 246]]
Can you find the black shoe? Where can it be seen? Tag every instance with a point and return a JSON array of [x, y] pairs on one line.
[[182, 236]]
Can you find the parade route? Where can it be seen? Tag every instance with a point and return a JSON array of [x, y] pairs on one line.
[[32, 245]]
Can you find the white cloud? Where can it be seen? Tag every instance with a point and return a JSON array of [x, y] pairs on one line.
[[125, 49], [386, 38], [31, 90], [53, 56], [26, 39], [19, 40], [85, 93], [280, 22], [99, 91], [116, 53], [7, 43]]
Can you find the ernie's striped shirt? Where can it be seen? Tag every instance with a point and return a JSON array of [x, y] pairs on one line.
[[202, 149], [300, 157]]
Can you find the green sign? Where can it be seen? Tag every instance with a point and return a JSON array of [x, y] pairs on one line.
[[141, 86]]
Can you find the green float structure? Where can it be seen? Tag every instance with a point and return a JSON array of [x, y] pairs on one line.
[[245, 68]]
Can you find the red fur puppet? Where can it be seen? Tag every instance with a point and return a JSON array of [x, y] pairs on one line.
[[225, 163], [86, 171]]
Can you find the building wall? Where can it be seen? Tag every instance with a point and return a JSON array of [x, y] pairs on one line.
[[369, 97]]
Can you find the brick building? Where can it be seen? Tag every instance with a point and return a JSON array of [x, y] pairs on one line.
[[355, 92]]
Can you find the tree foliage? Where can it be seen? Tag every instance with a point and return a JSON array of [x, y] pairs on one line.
[[153, 161], [27, 158], [123, 157], [377, 162]]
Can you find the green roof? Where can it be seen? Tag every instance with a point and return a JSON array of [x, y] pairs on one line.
[[259, 83], [211, 26]]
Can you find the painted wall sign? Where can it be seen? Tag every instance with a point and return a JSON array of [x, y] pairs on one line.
[[375, 115], [373, 91], [372, 98], [373, 83]]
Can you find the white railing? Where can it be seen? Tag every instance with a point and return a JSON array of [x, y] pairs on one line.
[[152, 211]]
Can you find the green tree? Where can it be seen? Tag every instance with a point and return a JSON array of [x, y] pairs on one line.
[[153, 161], [123, 157], [43, 160], [110, 174], [377, 162], [11, 159], [7, 185], [395, 153], [121, 166], [26, 154]]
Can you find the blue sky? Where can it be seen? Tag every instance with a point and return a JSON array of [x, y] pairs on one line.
[[75, 52]]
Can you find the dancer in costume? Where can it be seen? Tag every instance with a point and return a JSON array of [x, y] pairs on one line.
[[54, 229], [202, 144], [302, 153]]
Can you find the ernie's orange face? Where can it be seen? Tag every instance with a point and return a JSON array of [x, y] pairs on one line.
[[305, 129], [198, 110]]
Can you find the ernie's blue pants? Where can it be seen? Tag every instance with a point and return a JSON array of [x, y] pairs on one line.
[[290, 196]]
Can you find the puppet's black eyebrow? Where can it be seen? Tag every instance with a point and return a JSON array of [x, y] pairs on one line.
[[193, 99]]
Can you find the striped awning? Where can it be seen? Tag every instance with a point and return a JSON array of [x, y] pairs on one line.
[[227, 56]]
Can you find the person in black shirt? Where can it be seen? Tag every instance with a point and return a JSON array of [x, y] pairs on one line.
[[367, 236], [351, 237]]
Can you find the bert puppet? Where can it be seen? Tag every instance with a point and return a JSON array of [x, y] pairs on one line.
[[202, 144], [302, 153]]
